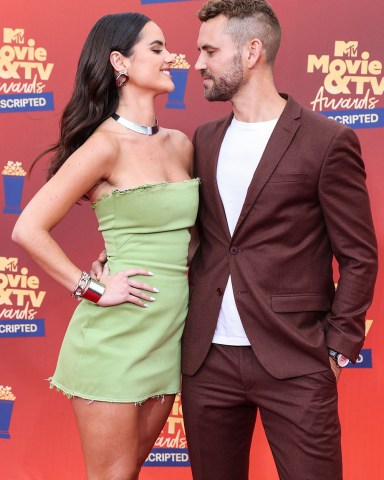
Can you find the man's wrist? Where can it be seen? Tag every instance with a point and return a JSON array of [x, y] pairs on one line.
[[340, 359]]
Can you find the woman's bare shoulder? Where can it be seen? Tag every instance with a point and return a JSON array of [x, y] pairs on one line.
[[178, 138]]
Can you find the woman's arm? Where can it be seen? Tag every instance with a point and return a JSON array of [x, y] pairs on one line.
[[91, 162]]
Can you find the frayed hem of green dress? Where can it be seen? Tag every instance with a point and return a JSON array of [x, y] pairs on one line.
[[138, 403]]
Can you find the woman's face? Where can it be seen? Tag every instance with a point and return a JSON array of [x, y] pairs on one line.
[[148, 66]]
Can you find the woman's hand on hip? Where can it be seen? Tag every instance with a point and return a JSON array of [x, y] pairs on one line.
[[121, 287]]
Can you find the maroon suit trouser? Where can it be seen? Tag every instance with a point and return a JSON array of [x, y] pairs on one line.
[[299, 416]]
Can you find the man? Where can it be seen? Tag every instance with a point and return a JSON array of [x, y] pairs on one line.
[[282, 192]]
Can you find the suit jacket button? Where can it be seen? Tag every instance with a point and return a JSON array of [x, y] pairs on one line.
[[233, 250], [220, 292]]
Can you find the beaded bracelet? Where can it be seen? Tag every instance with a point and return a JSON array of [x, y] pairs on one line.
[[82, 285]]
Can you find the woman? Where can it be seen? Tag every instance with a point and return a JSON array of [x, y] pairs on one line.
[[120, 365]]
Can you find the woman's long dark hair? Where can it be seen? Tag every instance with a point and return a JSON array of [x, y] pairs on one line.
[[95, 95]]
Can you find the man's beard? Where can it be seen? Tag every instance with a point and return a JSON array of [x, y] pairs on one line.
[[226, 86]]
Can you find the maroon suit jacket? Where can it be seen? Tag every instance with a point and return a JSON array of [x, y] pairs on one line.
[[307, 202]]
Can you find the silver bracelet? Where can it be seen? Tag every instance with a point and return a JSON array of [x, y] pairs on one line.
[[82, 285], [94, 291]]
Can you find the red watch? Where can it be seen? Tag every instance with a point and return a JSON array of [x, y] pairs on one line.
[[340, 359]]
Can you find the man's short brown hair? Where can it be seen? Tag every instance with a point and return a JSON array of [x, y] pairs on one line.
[[247, 19]]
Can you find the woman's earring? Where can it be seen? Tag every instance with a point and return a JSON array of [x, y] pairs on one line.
[[120, 80]]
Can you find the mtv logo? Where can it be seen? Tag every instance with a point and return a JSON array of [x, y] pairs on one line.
[[11, 35], [9, 264], [346, 49]]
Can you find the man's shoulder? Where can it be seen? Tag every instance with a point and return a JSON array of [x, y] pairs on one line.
[[212, 126], [320, 119], [316, 119], [318, 130]]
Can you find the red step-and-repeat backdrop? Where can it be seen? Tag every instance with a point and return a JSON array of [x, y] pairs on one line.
[[331, 60]]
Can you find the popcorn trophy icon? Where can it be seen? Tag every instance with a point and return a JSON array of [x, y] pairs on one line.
[[13, 179], [7, 399], [179, 73]]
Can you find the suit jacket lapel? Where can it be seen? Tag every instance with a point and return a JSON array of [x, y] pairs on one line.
[[281, 137], [211, 176]]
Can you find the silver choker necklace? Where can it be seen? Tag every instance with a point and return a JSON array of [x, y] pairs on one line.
[[143, 129]]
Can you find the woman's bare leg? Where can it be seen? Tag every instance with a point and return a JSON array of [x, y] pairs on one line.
[[117, 437], [152, 417], [109, 434]]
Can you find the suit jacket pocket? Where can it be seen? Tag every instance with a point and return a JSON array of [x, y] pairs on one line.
[[306, 302]]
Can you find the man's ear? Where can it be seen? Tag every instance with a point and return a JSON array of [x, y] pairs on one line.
[[118, 61], [254, 49]]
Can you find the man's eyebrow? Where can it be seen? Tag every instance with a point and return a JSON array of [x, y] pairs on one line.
[[206, 46]]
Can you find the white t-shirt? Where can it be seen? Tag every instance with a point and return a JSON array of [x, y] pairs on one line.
[[240, 153]]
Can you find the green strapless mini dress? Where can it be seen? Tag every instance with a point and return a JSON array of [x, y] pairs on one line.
[[127, 353]]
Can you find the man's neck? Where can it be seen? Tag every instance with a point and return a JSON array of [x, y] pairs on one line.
[[254, 104]]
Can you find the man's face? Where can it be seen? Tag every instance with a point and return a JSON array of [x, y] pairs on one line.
[[220, 61]]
